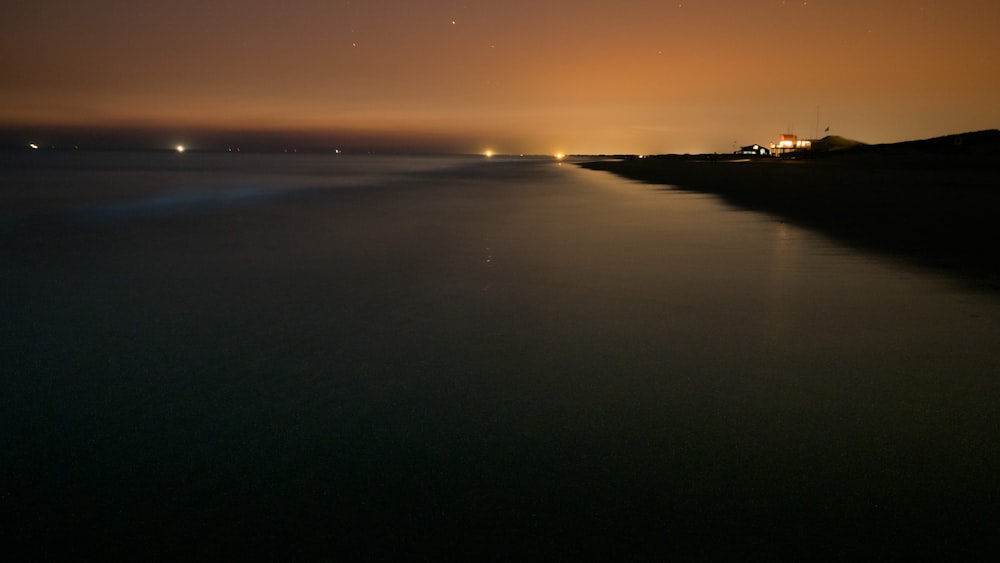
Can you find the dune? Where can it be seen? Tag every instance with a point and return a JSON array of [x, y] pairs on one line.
[[835, 143]]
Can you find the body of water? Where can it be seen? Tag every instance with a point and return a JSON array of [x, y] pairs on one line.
[[296, 356]]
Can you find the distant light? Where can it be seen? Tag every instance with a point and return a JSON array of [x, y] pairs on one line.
[[560, 155], [33, 145], [488, 153], [180, 148]]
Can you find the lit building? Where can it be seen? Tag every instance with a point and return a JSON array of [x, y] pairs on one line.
[[789, 143], [754, 150]]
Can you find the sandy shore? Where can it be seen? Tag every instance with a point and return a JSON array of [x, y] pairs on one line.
[[934, 208]]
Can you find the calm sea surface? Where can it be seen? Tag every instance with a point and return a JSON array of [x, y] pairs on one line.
[[365, 357]]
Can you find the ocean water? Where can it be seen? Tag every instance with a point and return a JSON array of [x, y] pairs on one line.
[[372, 357]]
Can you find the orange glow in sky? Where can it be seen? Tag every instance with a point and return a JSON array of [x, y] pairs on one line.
[[590, 76]]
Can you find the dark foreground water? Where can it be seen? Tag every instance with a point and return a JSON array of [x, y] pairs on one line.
[[297, 358]]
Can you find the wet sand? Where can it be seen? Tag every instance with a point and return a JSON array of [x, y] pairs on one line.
[[932, 207], [272, 359]]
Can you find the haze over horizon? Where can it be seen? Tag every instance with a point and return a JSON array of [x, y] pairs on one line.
[[512, 77]]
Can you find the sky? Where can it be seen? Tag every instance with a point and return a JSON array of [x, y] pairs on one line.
[[532, 76]]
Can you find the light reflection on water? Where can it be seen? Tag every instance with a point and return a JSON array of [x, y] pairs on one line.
[[478, 350]]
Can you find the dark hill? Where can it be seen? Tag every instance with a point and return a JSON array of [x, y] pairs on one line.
[[978, 144]]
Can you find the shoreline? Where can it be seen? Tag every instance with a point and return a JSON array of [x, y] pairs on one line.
[[934, 210]]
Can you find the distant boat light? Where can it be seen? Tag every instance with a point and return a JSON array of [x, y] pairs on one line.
[[33, 145], [180, 148]]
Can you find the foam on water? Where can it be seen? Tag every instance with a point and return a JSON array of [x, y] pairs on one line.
[[134, 185]]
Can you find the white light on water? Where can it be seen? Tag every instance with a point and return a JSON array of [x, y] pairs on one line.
[[180, 148]]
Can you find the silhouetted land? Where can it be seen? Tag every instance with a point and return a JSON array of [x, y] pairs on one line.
[[934, 202]]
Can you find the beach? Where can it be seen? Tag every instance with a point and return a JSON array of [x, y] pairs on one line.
[[934, 205]]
